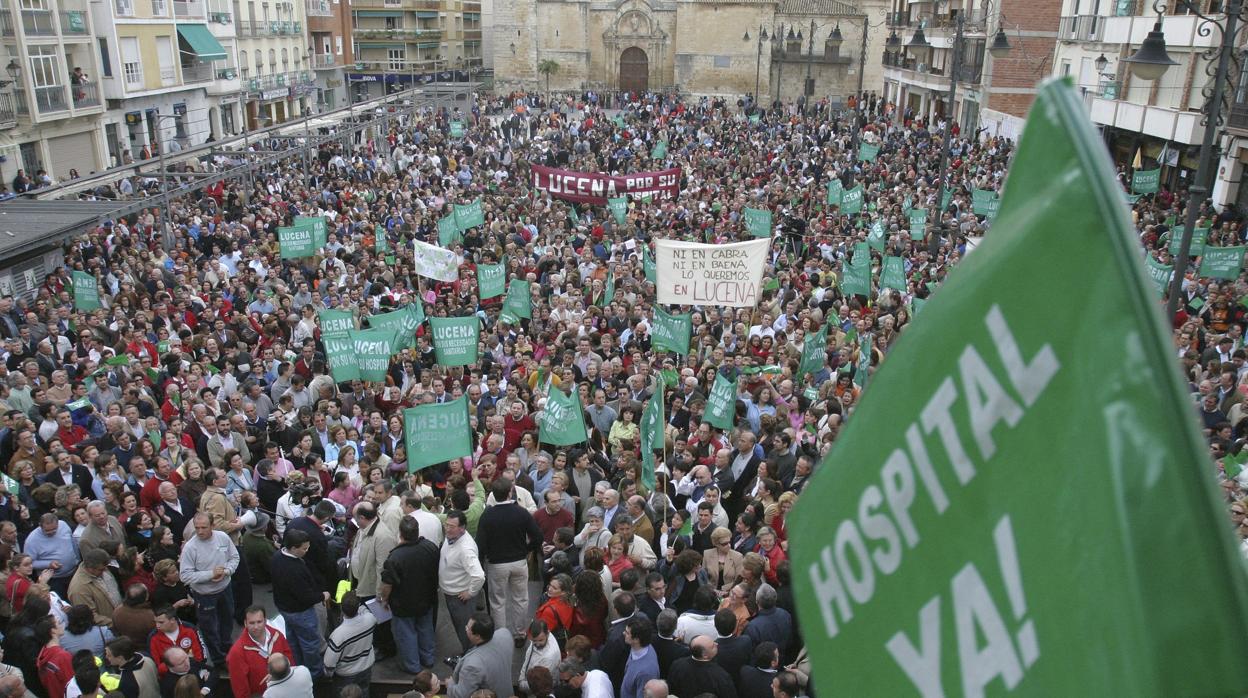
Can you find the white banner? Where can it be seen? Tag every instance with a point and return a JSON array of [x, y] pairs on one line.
[[690, 273], [435, 263]]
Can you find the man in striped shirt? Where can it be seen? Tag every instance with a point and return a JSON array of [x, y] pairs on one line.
[[349, 654]]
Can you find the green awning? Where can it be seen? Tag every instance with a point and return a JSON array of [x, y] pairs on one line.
[[201, 42]]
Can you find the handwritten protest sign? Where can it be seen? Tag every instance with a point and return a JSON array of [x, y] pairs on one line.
[[697, 274]]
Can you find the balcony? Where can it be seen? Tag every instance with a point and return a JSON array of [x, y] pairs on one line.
[[973, 18], [183, 8], [74, 23], [472, 35], [8, 110], [898, 19], [219, 16], [227, 73], [50, 99], [285, 28], [85, 95], [318, 8], [38, 23], [324, 61], [197, 72], [375, 34], [123, 8], [1081, 28], [6, 23], [250, 27], [1238, 117]]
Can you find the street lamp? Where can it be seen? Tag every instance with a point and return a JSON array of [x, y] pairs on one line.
[[758, 62], [14, 69], [1101, 62], [1150, 63]]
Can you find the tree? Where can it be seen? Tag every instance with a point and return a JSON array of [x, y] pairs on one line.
[[547, 67]]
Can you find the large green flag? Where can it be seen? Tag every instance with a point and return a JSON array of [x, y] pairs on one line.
[[856, 277], [876, 236], [518, 303], [758, 222], [469, 215], [608, 291], [647, 265], [403, 322], [836, 191], [491, 280], [320, 229], [1199, 237], [921, 567], [340, 354], [893, 274], [619, 208], [86, 291], [721, 404], [335, 323], [435, 433], [1222, 262], [814, 352], [448, 231], [851, 200], [671, 332], [1146, 181], [652, 423], [659, 151], [296, 242], [373, 349], [867, 152], [1160, 275], [562, 421], [455, 339]]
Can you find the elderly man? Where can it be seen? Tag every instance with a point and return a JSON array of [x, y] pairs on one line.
[[101, 529], [174, 510], [178, 663], [638, 550], [94, 588]]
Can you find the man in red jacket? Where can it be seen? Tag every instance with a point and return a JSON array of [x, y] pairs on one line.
[[248, 660], [171, 632]]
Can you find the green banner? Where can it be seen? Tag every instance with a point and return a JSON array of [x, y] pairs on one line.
[[659, 151], [448, 231], [491, 280], [381, 244], [981, 201], [335, 323], [296, 242], [671, 332], [721, 404], [340, 354], [1160, 275], [608, 291], [435, 433], [562, 420], [814, 352], [1222, 262], [320, 229], [835, 191], [758, 222], [1146, 181], [469, 215], [918, 223], [457, 129], [651, 438], [619, 209], [867, 152], [856, 277], [373, 349], [926, 568], [946, 198], [875, 236], [755, 118], [893, 274], [403, 322], [851, 200], [86, 291], [455, 339], [647, 265], [518, 303], [1199, 237]]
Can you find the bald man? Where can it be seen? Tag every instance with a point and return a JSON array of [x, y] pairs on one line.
[[698, 673]]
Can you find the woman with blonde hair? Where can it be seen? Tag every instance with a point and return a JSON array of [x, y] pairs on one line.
[[721, 563]]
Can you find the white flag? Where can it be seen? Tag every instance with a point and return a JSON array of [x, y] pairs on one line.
[[434, 262], [690, 273]]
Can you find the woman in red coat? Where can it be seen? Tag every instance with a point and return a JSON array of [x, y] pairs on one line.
[[54, 663], [557, 612]]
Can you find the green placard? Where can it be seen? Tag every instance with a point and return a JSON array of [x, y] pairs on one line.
[[1199, 236], [981, 201], [608, 291], [448, 231], [945, 199], [320, 229], [851, 200], [721, 404], [491, 280], [619, 208], [457, 129], [893, 274], [469, 215], [1160, 275], [455, 339], [518, 303], [435, 433], [562, 421], [921, 567], [835, 191], [856, 278], [651, 438], [758, 222], [381, 244], [671, 332], [373, 349], [1146, 181], [814, 352], [755, 118], [297, 242], [918, 223], [340, 354], [875, 236], [647, 265], [659, 151], [868, 152], [1221, 262], [335, 323], [403, 322], [86, 291]]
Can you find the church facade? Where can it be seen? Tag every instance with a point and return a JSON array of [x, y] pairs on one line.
[[813, 47]]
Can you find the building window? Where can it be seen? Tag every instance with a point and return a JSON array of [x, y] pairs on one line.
[[285, 60], [106, 63], [131, 63], [259, 62], [164, 53], [398, 58], [43, 67]]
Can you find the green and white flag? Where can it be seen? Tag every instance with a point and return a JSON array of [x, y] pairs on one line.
[[671, 332], [434, 262], [320, 229], [814, 352], [457, 129], [856, 277], [946, 198], [647, 265], [296, 242], [851, 200], [435, 433], [1160, 275], [922, 567], [403, 322], [608, 291], [918, 223], [381, 244], [651, 427], [335, 323], [619, 209], [981, 201], [893, 274], [86, 291], [448, 231], [875, 236], [373, 349], [836, 190], [491, 280], [1199, 237], [659, 151], [1146, 181], [340, 354], [1222, 262], [455, 339], [867, 152], [469, 215], [758, 222], [721, 404], [562, 421], [518, 303]]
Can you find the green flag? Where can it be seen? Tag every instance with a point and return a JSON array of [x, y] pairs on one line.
[[457, 129], [981, 201], [918, 223], [659, 151], [448, 231], [455, 339], [671, 379], [608, 291], [320, 229], [403, 322], [1146, 181], [814, 352], [721, 404], [1160, 275], [835, 191], [647, 265], [86, 291], [946, 197], [755, 118], [867, 152], [491, 280], [469, 215], [923, 568], [671, 332], [335, 323], [875, 237], [758, 222], [340, 354], [1221, 262], [436, 432], [851, 200], [381, 245], [296, 242], [518, 303], [856, 277], [1199, 237], [893, 274], [619, 209], [562, 421], [651, 438], [373, 349], [1233, 464]]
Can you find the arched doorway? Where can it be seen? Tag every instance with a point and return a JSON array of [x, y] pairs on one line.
[[634, 70]]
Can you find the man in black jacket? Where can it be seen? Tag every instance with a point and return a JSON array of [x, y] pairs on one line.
[[296, 598], [756, 680], [669, 649], [324, 569], [698, 673], [733, 652], [409, 587], [506, 534]]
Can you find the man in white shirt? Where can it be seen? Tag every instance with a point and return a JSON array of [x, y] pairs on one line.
[[460, 575], [592, 683], [430, 525]]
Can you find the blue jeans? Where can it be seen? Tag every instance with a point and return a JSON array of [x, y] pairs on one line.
[[216, 621], [416, 640], [304, 635], [363, 680]]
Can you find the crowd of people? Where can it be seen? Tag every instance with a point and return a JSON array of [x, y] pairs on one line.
[[175, 451]]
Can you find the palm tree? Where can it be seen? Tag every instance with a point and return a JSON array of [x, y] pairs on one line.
[[547, 67]]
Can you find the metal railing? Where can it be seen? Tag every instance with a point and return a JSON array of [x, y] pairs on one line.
[[285, 27], [324, 60], [6, 23], [897, 19], [1238, 118], [8, 110], [1081, 28], [50, 99], [319, 8], [219, 16], [197, 72], [73, 22], [227, 73], [188, 8], [472, 34], [38, 23], [250, 27], [950, 20], [85, 95]]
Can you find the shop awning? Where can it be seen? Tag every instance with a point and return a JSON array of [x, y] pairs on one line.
[[201, 42]]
